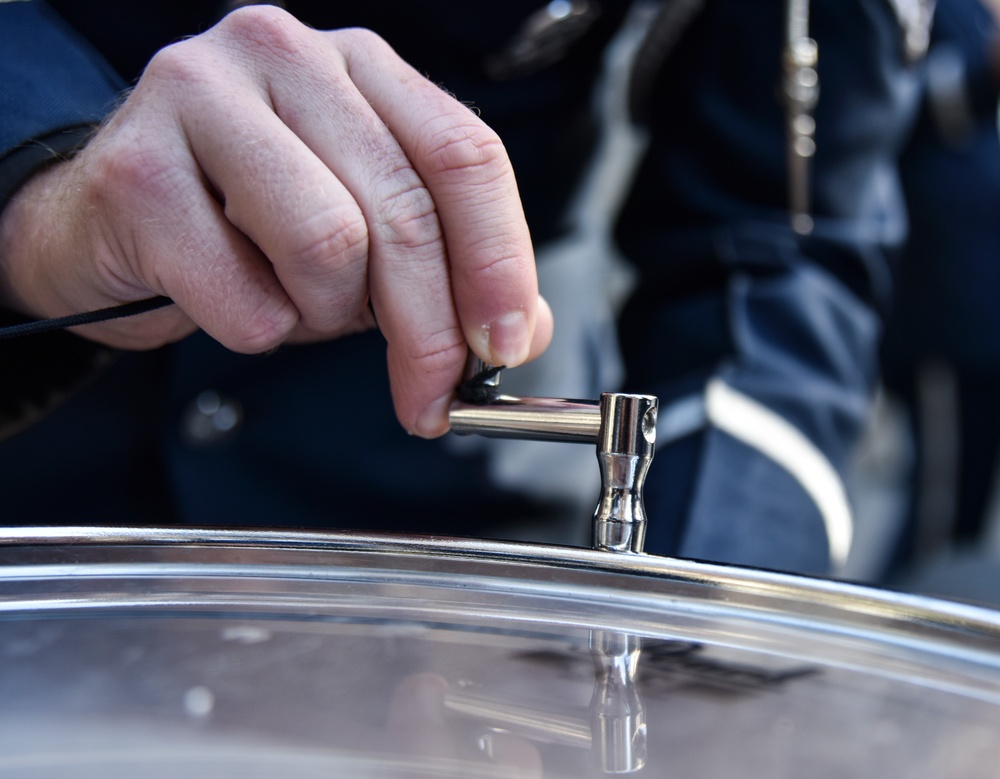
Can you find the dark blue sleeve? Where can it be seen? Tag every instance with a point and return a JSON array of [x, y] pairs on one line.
[[55, 88]]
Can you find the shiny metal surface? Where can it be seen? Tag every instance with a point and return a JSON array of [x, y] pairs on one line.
[[618, 717], [624, 450], [801, 88], [127, 652], [530, 418], [534, 419]]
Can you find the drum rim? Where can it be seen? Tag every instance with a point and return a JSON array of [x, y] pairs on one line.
[[115, 572], [727, 582], [47, 561]]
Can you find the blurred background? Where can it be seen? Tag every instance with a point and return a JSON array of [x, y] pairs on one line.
[[925, 482]]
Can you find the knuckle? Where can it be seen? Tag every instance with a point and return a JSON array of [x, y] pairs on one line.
[[140, 176], [178, 63], [409, 219], [267, 27], [262, 331], [467, 150], [362, 41], [332, 238], [257, 341]]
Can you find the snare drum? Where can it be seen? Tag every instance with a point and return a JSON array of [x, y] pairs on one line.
[[180, 653]]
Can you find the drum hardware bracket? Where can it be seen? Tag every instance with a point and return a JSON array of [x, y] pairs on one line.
[[623, 427]]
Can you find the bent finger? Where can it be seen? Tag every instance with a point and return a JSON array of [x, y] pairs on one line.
[[467, 171], [173, 239]]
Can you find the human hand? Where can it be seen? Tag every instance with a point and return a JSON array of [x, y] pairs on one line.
[[271, 179]]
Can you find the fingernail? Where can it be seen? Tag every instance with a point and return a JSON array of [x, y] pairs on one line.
[[433, 420], [508, 339]]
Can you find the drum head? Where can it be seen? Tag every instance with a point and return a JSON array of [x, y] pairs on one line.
[[242, 654]]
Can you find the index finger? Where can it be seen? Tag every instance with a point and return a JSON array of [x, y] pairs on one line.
[[465, 167]]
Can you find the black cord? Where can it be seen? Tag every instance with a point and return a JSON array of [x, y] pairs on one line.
[[90, 317], [476, 390]]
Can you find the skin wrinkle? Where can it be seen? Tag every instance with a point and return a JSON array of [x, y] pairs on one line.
[[501, 178], [335, 238], [431, 343], [497, 271], [166, 67], [408, 219], [251, 155], [463, 150], [428, 349], [342, 303], [480, 156], [265, 325], [487, 156], [166, 326], [267, 332]]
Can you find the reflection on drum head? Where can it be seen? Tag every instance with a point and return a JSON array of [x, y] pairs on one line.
[[409, 660], [682, 666]]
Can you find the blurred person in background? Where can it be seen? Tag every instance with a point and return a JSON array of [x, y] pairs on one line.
[[941, 355], [758, 223]]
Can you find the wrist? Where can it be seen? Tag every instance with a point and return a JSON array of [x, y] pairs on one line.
[[26, 236]]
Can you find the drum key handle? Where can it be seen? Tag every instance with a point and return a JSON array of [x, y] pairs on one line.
[[622, 426]]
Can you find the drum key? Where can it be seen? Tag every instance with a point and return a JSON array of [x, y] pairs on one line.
[[623, 427]]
